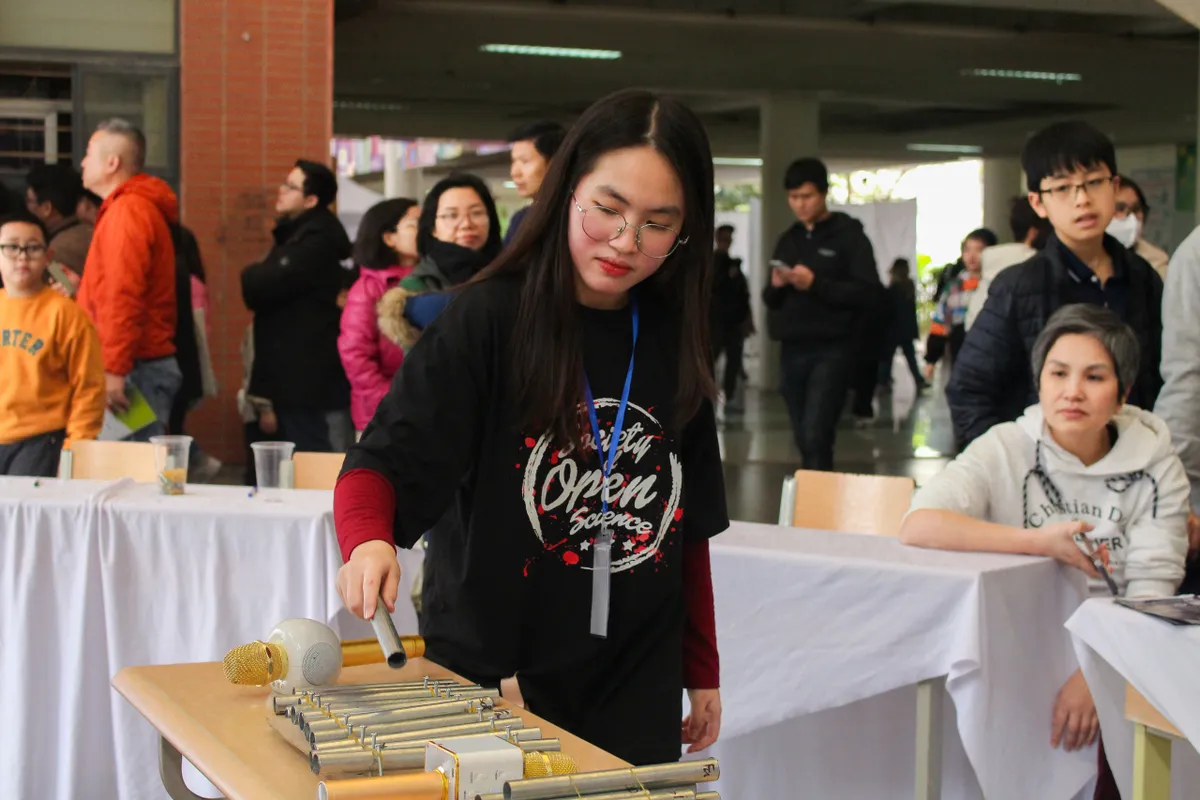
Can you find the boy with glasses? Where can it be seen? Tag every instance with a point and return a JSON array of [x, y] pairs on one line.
[[1071, 171], [51, 373]]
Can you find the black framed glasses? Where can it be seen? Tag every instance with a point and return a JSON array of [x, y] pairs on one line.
[[12, 251], [604, 224], [1069, 191]]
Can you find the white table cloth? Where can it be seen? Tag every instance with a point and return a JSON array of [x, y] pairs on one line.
[[96, 577], [809, 622], [1116, 645]]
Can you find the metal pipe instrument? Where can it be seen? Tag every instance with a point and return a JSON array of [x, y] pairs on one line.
[[655, 776]]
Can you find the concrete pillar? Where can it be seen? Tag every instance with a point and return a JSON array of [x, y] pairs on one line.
[[789, 128], [1003, 180]]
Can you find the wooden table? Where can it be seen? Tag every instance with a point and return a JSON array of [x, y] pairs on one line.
[[222, 729], [1153, 734]]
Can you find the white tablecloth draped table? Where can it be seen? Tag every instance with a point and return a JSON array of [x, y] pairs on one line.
[[822, 636], [1116, 645], [96, 577]]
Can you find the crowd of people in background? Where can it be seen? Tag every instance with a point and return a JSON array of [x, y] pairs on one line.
[[1072, 376]]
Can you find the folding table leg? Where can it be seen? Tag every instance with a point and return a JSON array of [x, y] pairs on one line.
[[170, 768], [1151, 764], [930, 695]]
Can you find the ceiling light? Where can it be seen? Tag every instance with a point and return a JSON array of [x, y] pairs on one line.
[[960, 149], [737, 162], [551, 52], [1024, 75]]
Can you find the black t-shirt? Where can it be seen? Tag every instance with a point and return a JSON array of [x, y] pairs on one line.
[[514, 515]]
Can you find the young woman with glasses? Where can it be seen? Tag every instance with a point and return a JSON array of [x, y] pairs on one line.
[[554, 428]]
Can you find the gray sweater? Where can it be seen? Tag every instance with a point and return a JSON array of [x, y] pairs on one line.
[[1179, 402]]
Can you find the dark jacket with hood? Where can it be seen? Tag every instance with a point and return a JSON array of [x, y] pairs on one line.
[[293, 293], [992, 380], [845, 284]]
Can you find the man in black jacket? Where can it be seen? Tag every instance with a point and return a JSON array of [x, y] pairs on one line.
[[730, 317], [1071, 171], [293, 293], [824, 283]]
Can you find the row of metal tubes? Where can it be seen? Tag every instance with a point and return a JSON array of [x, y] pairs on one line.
[[362, 731], [318, 701], [344, 763], [377, 740], [659, 794], [334, 709], [398, 712], [302, 696], [632, 779]]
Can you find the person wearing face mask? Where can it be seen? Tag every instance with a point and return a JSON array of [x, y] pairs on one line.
[[1128, 221], [1081, 462], [949, 324], [1070, 168], [458, 234], [556, 428], [533, 146], [386, 252]]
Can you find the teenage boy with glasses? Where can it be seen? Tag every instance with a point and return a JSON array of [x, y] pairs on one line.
[[51, 372], [1071, 171]]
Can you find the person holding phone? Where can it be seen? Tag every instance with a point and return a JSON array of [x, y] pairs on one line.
[[823, 281]]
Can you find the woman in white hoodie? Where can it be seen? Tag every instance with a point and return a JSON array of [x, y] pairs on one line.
[[1080, 461]]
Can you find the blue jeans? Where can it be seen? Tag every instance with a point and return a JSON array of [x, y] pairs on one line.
[[158, 380]]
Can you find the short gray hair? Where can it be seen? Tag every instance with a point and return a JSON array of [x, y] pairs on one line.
[[131, 134], [1102, 325]]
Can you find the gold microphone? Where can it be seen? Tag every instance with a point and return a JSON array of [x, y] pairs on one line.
[[300, 653]]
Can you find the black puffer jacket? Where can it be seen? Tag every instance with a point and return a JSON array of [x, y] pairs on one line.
[[992, 380]]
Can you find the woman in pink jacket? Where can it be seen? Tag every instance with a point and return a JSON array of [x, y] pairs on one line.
[[386, 251]]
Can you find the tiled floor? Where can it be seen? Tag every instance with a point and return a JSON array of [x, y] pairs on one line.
[[910, 436]]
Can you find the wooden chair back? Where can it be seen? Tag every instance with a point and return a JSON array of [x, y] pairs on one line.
[[108, 461], [316, 470], [840, 501]]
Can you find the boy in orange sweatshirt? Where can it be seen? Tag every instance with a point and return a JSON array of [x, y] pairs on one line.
[[51, 372]]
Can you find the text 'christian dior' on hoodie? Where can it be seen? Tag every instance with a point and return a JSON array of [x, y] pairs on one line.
[[1135, 497]]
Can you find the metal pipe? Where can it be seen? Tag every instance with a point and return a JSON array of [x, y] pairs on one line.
[[376, 741], [307, 718], [394, 727], [395, 651], [343, 763], [413, 786], [351, 688], [655, 776], [400, 714], [659, 794]]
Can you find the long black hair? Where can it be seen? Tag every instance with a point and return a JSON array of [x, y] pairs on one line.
[[370, 251], [428, 221], [548, 340]]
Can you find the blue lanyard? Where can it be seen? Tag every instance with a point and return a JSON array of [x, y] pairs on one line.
[[602, 550], [606, 462]]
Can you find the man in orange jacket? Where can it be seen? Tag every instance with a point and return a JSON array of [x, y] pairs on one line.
[[128, 286]]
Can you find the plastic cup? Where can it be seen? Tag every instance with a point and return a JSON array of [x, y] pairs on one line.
[[171, 462], [273, 468]]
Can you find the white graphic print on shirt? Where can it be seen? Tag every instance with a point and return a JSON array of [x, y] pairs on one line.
[[562, 494]]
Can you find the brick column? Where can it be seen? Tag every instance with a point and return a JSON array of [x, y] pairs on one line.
[[256, 80]]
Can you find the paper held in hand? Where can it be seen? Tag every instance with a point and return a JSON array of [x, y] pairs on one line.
[[121, 426]]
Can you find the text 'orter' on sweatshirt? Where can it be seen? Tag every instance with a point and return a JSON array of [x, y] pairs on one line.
[[1135, 497], [51, 371]]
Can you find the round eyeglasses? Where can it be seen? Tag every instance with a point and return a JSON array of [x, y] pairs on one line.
[[604, 224]]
